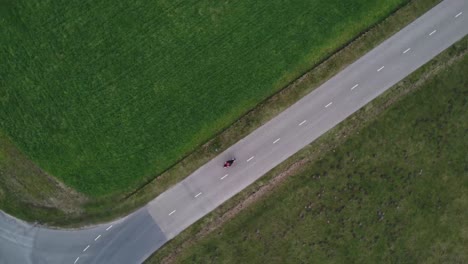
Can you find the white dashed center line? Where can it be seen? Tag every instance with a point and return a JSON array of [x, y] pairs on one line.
[[86, 248], [356, 85], [330, 103], [172, 212], [76, 260], [222, 178], [406, 50], [97, 237], [274, 142], [381, 68], [107, 229], [198, 195], [303, 122], [459, 14], [430, 34], [251, 158]]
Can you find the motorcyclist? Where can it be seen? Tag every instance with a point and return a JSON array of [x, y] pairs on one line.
[[228, 163]]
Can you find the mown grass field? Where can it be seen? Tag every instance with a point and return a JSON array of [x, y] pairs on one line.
[[396, 192], [106, 95]]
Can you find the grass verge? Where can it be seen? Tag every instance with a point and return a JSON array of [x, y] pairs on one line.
[[372, 190], [104, 208], [27, 192]]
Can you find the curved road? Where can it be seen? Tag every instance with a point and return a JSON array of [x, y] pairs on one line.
[[134, 238]]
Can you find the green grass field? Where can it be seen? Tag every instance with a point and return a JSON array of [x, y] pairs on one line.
[[396, 192], [106, 95]]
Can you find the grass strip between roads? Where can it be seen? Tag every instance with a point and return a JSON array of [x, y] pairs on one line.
[[77, 209], [387, 185]]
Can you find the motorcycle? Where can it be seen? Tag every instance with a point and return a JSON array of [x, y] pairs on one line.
[[229, 163]]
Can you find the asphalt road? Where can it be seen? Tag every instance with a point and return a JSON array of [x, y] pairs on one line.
[[134, 238]]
